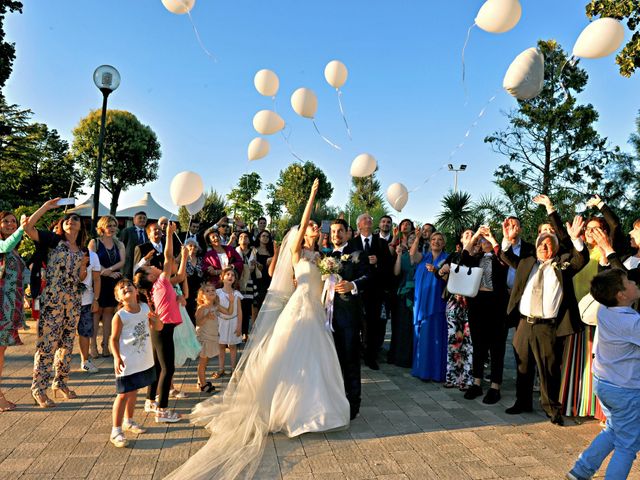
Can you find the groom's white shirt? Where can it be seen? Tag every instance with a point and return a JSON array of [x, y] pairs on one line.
[[340, 249]]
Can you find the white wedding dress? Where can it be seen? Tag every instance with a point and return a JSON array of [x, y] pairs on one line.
[[288, 380]]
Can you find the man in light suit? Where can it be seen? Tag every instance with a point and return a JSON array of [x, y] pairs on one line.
[[132, 237], [543, 297]]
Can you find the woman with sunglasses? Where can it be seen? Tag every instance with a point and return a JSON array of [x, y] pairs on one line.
[[60, 301]]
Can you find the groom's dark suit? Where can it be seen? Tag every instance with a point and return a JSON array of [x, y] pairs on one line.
[[347, 318]]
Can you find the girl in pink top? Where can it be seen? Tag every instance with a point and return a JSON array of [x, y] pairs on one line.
[[155, 285]]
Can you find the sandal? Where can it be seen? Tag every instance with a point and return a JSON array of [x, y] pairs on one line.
[[6, 405], [66, 392], [207, 387], [175, 393], [42, 400], [218, 374], [448, 385]]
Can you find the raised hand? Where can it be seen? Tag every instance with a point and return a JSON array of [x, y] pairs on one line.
[[315, 186], [602, 240], [543, 200], [171, 228], [576, 227], [594, 201]]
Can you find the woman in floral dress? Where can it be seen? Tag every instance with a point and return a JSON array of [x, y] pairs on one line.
[[60, 302], [11, 291]]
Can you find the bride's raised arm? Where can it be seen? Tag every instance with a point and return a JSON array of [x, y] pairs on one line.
[[296, 247]]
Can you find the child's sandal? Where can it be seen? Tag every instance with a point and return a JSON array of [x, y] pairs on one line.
[[218, 374]]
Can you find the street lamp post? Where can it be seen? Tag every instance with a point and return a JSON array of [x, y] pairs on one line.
[[107, 79], [461, 168]]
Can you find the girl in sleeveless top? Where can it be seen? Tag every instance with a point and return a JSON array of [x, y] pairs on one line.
[[132, 357]]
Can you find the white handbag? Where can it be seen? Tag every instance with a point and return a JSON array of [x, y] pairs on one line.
[[588, 307], [464, 281]]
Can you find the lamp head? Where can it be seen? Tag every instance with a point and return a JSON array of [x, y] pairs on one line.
[[106, 78]]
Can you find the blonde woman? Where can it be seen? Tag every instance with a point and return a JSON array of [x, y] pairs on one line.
[[111, 253]]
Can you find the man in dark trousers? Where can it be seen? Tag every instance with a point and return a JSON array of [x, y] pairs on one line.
[[132, 237], [347, 311], [377, 255], [543, 297]]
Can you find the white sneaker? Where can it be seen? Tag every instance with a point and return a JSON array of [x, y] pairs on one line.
[[175, 393], [164, 415], [133, 427], [119, 440], [89, 367], [150, 407]]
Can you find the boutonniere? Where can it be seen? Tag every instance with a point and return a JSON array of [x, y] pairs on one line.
[[345, 257], [560, 265]]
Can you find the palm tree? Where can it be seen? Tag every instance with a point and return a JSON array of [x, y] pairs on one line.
[[457, 214]]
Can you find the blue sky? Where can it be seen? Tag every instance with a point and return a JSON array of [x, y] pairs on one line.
[[404, 98]]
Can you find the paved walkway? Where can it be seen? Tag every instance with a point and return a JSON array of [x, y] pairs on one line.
[[407, 429]]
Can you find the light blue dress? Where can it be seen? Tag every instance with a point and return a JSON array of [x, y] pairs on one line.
[[429, 322]]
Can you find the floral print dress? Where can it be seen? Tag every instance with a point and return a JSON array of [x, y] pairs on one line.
[[11, 290], [460, 350]]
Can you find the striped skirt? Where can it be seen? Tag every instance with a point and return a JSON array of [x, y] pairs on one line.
[[576, 392]]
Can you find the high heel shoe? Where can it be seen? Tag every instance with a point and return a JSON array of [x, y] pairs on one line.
[[42, 400], [66, 393]]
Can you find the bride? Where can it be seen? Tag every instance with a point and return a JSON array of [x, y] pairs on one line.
[[288, 379]]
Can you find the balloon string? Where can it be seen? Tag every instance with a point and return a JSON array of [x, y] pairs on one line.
[[204, 49], [344, 117], [461, 144], [337, 147], [463, 66], [286, 140]]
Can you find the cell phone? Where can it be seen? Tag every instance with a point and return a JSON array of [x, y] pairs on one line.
[[325, 226], [66, 201]]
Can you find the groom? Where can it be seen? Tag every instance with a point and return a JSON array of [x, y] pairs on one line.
[[347, 311]]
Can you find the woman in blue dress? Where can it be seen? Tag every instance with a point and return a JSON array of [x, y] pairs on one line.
[[429, 312]]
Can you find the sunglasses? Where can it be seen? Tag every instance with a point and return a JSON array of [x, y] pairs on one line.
[[75, 218]]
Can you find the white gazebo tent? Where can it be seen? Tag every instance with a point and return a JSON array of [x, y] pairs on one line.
[[85, 209], [149, 206]]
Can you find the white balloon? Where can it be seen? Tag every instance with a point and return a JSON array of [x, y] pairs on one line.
[[258, 148], [397, 196], [179, 7], [525, 76], [363, 165], [336, 73], [499, 16], [185, 188], [266, 82], [267, 122], [196, 206], [599, 39], [304, 102]]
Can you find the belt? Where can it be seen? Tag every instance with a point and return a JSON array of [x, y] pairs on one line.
[[537, 320]]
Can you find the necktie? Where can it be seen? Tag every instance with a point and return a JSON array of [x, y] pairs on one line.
[[140, 237], [537, 292], [367, 247]]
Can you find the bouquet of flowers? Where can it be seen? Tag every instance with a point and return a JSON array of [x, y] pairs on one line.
[[329, 266]]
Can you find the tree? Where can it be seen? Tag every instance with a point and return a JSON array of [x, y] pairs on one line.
[[35, 162], [457, 214], [551, 143], [7, 50], [629, 57], [622, 187], [365, 196], [242, 199], [214, 208], [131, 151], [292, 188]]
